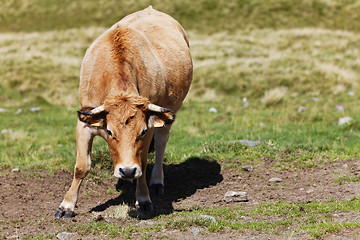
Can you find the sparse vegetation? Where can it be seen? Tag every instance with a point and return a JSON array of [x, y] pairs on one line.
[[315, 217], [343, 179], [280, 55]]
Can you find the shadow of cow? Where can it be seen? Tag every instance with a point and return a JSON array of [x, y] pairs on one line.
[[181, 181]]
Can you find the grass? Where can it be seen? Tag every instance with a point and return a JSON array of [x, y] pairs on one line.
[[27, 146], [282, 56], [42, 67], [341, 180], [205, 16], [315, 218]]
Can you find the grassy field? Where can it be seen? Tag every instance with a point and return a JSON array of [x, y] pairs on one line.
[[207, 16], [276, 71]]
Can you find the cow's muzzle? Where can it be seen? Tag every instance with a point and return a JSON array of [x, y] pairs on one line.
[[132, 172]]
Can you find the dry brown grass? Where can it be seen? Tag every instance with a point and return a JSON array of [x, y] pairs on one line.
[[244, 64], [44, 65], [250, 63]]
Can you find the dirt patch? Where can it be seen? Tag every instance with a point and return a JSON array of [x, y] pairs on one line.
[[28, 200]]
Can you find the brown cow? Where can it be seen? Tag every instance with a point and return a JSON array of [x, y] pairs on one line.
[[139, 64]]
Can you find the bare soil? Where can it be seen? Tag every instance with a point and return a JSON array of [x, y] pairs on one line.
[[28, 200]]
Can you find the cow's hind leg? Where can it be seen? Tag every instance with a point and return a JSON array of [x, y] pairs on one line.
[[84, 139], [157, 175]]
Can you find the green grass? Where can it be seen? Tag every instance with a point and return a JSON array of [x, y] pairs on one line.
[[46, 138], [112, 230], [203, 15], [341, 180], [280, 55], [316, 218], [41, 236], [42, 139]]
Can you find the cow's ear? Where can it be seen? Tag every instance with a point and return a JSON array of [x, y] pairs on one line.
[[92, 117], [161, 119]]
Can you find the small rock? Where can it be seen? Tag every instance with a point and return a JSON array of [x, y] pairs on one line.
[[301, 109], [247, 142], [318, 43], [213, 110], [345, 166], [2, 110], [195, 230], [147, 222], [18, 111], [5, 131], [275, 179], [15, 170], [251, 52], [339, 108], [65, 236], [344, 120], [232, 196], [228, 183], [302, 189], [315, 99], [13, 237], [211, 218], [35, 109], [248, 168], [246, 103], [351, 93], [261, 124], [310, 191]]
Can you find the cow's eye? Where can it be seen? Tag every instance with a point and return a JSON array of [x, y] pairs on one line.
[[143, 132], [110, 133]]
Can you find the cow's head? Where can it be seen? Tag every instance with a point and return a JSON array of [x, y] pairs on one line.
[[129, 122]]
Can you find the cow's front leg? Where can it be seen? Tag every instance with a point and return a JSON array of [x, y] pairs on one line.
[[143, 202], [84, 139], [157, 175]]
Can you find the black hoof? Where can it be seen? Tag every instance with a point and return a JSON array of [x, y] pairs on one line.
[[59, 213], [145, 208], [64, 212], [69, 214], [157, 189]]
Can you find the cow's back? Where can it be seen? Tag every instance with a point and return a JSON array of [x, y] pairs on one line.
[[159, 51]]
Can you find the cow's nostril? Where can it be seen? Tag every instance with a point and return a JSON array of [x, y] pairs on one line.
[[133, 172], [127, 172]]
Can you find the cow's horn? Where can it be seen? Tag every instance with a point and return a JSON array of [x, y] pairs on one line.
[[156, 108], [95, 111]]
